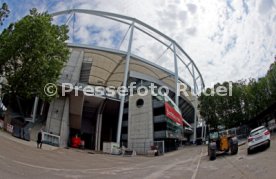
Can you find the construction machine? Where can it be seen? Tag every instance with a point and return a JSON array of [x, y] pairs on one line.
[[222, 142]]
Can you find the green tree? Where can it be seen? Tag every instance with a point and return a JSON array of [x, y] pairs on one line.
[[4, 12], [207, 106], [271, 77], [32, 54], [248, 100]]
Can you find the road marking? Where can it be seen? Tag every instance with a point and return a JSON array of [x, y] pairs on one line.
[[159, 173], [61, 169], [198, 163]]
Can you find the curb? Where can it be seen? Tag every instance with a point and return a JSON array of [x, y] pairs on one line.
[[241, 143]]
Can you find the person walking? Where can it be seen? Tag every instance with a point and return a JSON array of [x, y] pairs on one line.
[[39, 140]]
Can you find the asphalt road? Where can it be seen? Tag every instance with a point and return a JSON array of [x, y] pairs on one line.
[[18, 160]]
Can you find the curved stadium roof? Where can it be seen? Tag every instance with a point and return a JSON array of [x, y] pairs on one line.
[[152, 52]]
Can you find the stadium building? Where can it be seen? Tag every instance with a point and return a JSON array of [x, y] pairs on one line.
[[139, 54]]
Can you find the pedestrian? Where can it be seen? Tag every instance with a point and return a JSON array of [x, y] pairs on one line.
[[39, 140]]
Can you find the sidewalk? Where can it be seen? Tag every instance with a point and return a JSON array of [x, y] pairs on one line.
[[242, 142], [8, 136]]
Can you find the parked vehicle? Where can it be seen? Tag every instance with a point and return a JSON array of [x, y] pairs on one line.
[[258, 137], [222, 142]]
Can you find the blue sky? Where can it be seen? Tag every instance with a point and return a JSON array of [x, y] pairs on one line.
[[228, 39]]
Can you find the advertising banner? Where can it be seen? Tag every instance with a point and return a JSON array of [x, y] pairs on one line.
[[173, 114]]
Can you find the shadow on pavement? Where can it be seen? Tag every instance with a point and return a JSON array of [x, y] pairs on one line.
[[258, 150]]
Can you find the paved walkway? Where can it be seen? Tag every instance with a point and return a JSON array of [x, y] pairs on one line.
[[21, 159]]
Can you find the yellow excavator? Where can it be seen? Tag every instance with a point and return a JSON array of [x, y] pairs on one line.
[[222, 142]]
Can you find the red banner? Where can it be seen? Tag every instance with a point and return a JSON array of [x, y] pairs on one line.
[[173, 114]]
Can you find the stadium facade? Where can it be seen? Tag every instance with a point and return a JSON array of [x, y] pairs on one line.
[[134, 121]]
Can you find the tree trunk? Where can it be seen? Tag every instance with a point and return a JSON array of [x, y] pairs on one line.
[[7, 118]]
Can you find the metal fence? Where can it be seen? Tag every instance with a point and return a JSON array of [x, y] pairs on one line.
[[142, 148], [51, 139], [243, 132]]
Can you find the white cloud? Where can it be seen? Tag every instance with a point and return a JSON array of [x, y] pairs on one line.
[[265, 6], [227, 41], [192, 8]]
